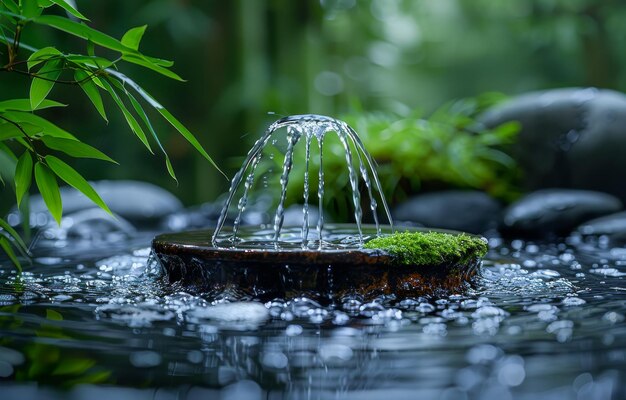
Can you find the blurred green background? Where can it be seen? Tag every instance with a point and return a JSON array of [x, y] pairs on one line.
[[246, 58]]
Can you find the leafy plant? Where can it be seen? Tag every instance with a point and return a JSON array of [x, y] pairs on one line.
[[30, 145], [450, 148]]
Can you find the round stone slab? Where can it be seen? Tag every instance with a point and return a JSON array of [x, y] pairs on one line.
[[190, 261]]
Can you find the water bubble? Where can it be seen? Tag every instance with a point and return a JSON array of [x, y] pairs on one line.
[[293, 330], [340, 318], [318, 315], [274, 360], [545, 274], [425, 308], [195, 357], [303, 307], [145, 359], [606, 271], [512, 373], [573, 301], [334, 352], [489, 311], [370, 309], [613, 317], [241, 390], [435, 329], [232, 312], [482, 353], [562, 329]]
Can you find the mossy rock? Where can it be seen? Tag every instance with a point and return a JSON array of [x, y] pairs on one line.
[[430, 248]]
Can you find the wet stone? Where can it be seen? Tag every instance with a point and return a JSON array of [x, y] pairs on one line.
[[463, 210], [556, 211], [139, 202], [612, 226], [571, 138]]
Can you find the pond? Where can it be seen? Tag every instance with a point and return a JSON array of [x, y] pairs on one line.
[[544, 320]]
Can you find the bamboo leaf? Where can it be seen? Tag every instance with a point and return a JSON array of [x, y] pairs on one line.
[[6, 246], [74, 179], [7, 163], [24, 143], [42, 55], [16, 237], [49, 189], [130, 119], [91, 49], [170, 168], [91, 90], [24, 105], [132, 38], [187, 135], [30, 8], [69, 8], [82, 31], [142, 114], [8, 153], [45, 3], [11, 6], [160, 61], [23, 175], [10, 131], [127, 81], [48, 127], [75, 148], [40, 87], [90, 61], [139, 59]]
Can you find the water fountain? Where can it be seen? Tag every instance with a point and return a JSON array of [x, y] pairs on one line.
[[327, 263]]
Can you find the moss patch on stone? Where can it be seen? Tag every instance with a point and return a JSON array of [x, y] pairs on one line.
[[430, 248]]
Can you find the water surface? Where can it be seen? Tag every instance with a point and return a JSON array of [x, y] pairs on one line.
[[545, 320]]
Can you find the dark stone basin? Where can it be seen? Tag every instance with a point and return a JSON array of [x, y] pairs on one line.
[[191, 261]]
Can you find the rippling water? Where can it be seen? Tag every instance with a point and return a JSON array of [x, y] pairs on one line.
[[544, 321]]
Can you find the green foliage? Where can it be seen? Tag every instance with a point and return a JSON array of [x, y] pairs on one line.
[[28, 141], [45, 361], [450, 148], [431, 248]]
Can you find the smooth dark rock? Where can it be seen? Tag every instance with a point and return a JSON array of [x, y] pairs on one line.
[[138, 202], [556, 211], [95, 224], [570, 138], [612, 226], [467, 211]]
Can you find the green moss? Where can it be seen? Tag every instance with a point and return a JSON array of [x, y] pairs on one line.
[[417, 248]]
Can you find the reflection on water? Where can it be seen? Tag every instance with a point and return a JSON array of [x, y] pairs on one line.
[[545, 321]]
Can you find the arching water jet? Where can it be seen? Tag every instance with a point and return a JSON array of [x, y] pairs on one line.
[[309, 127]]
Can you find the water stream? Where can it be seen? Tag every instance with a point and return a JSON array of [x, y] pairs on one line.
[[309, 127]]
